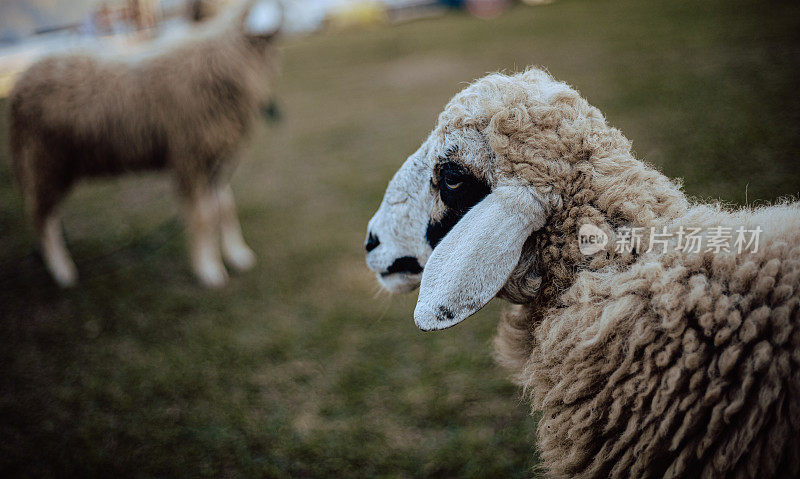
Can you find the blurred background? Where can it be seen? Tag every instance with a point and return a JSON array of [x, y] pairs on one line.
[[303, 367]]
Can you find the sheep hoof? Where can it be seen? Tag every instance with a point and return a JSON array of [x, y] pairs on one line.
[[241, 259], [212, 277], [65, 276], [55, 255]]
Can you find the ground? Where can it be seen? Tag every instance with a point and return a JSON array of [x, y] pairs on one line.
[[303, 367]]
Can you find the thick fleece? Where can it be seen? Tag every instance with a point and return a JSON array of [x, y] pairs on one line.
[[645, 364], [677, 365], [655, 363]]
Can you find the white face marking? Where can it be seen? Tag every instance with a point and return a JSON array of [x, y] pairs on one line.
[[264, 18], [401, 223], [480, 236]]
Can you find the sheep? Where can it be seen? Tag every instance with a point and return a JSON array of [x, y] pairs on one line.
[[187, 108], [653, 361]]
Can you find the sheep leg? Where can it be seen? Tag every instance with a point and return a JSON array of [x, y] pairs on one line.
[[54, 252], [202, 212], [44, 187], [234, 250]]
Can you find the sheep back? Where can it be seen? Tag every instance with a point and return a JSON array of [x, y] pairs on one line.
[[188, 108]]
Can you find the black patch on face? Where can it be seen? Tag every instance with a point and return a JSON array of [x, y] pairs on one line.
[[406, 264], [437, 229], [459, 190]]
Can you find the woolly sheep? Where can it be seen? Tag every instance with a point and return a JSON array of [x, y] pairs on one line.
[[187, 108], [654, 362]]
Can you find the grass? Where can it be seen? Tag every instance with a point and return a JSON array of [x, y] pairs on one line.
[[301, 367]]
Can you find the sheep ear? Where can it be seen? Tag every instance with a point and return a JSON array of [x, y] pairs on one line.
[[474, 260], [264, 18]]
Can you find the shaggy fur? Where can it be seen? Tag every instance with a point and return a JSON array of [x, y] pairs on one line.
[[676, 365], [665, 365], [645, 364], [188, 109]]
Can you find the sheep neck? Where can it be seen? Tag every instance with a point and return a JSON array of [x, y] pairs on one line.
[[551, 259]]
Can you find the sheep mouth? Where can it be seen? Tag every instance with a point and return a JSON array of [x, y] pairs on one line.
[[403, 265], [399, 283]]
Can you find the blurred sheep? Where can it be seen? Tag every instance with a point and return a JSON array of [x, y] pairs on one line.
[[187, 109]]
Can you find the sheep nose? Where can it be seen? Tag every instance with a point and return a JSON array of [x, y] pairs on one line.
[[372, 242]]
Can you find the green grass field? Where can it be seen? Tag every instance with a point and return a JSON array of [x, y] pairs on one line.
[[303, 367]]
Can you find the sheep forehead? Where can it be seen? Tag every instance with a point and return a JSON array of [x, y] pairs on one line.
[[466, 146], [478, 102], [403, 214], [466, 117], [410, 197]]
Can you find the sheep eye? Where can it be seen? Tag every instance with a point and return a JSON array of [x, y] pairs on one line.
[[452, 185], [452, 177], [459, 190], [458, 187]]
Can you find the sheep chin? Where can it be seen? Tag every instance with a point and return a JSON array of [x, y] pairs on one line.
[[399, 283]]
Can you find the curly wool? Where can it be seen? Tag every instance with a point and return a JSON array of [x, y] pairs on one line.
[[645, 364]]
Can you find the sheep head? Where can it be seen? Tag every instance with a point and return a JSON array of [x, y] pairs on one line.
[[514, 161]]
